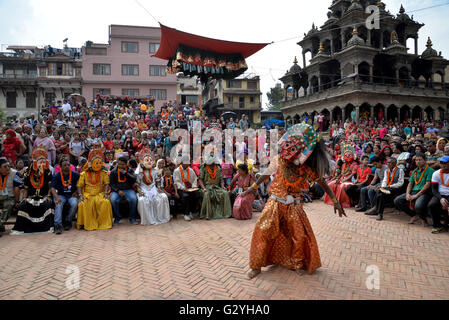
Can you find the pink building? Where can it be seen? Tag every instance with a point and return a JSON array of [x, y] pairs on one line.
[[124, 67]]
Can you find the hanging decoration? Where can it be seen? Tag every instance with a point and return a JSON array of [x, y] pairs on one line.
[[204, 57]]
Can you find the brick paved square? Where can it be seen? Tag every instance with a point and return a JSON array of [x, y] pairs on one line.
[[209, 260]]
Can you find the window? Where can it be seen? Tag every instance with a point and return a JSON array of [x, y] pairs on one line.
[[130, 92], [230, 100], [154, 47], [131, 47], [31, 100], [103, 92], [102, 69], [159, 94], [130, 69], [251, 99], [157, 71], [192, 100], [50, 97], [11, 99], [234, 83], [52, 69], [67, 69], [59, 69], [252, 85], [242, 102], [43, 72]]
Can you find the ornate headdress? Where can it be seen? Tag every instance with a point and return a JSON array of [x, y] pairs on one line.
[[95, 153], [299, 142], [40, 154], [142, 155], [348, 150], [145, 152], [95, 165]]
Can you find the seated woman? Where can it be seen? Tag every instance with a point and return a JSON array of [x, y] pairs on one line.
[[216, 202], [348, 171], [94, 208], [36, 212], [362, 179], [243, 205], [152, 205]]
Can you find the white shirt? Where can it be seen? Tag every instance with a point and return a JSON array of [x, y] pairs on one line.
[[66, 108], [178, 179], [436, 178], [396, 185]]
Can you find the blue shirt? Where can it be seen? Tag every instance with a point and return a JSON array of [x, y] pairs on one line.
[[65, 191]]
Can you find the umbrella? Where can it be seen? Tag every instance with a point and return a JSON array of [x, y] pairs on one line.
[[229, 114], [77, 97]]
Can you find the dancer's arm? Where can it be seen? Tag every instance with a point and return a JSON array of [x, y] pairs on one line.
[[255, 186], [337, 205]]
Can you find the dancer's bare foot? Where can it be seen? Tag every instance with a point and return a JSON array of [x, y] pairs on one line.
[[413, 220], [301, 272], [253, 273], [425, 223]]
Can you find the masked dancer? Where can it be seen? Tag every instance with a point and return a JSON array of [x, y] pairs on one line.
[[283, 235]]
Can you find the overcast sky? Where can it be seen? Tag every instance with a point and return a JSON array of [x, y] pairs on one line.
[[42, 22]]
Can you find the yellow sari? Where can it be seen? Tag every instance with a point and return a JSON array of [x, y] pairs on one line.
[[95, 212]]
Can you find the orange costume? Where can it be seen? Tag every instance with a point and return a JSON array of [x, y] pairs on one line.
[[283, 234]]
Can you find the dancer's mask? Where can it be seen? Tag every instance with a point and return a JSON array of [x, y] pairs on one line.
[[146, 158], [40, 160], [96, 160]]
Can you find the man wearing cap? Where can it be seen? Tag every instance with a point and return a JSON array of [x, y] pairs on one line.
[[9, 191], [440, 200]]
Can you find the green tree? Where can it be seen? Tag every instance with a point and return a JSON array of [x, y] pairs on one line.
[[2, 114], [275, 97]]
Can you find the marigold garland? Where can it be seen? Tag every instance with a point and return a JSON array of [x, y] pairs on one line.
[[3, 183], [422, 175]]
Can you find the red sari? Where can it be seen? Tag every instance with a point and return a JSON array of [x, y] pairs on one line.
[[339, 187]]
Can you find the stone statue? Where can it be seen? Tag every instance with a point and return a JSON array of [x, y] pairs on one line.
[[394, 37]]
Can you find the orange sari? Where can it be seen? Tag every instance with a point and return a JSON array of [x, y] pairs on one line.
[[283, 235]]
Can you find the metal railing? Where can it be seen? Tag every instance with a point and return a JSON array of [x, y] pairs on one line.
[[18, 76]]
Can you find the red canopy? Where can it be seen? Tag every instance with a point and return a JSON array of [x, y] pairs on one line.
[[172, 38]]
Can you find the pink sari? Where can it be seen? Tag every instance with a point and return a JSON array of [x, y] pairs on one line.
[[243, 206], [339, 189]]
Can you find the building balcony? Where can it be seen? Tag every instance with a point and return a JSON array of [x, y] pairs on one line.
[[242, 106], [20, 56], [18, 76], [351, 86], [240, 91]]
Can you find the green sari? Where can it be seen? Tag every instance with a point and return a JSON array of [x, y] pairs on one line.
[[216, 202]]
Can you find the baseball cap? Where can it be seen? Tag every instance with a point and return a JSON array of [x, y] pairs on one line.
[[444, 159]]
